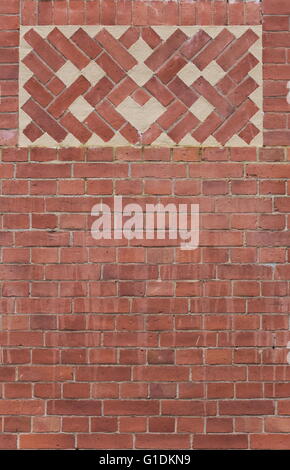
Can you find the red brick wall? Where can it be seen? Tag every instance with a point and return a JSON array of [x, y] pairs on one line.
[[118, 344], [276, 72]]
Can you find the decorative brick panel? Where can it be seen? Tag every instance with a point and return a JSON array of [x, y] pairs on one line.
[[152, 85]]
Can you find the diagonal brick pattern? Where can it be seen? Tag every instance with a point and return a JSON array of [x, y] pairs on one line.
[[120, 85]]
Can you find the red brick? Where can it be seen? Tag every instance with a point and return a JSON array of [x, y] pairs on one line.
[[162, 441], [46, 441], [217, 441]]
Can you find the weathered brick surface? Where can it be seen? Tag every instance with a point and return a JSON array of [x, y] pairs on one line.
[[193, 344], [118, 344], [276, 56]]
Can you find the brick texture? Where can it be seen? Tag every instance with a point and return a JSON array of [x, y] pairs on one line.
[[118, 344], [276, 57], [185, 69], [71, 129], [193, 344]]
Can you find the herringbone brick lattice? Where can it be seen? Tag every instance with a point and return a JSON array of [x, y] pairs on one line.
[[121, 85]]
